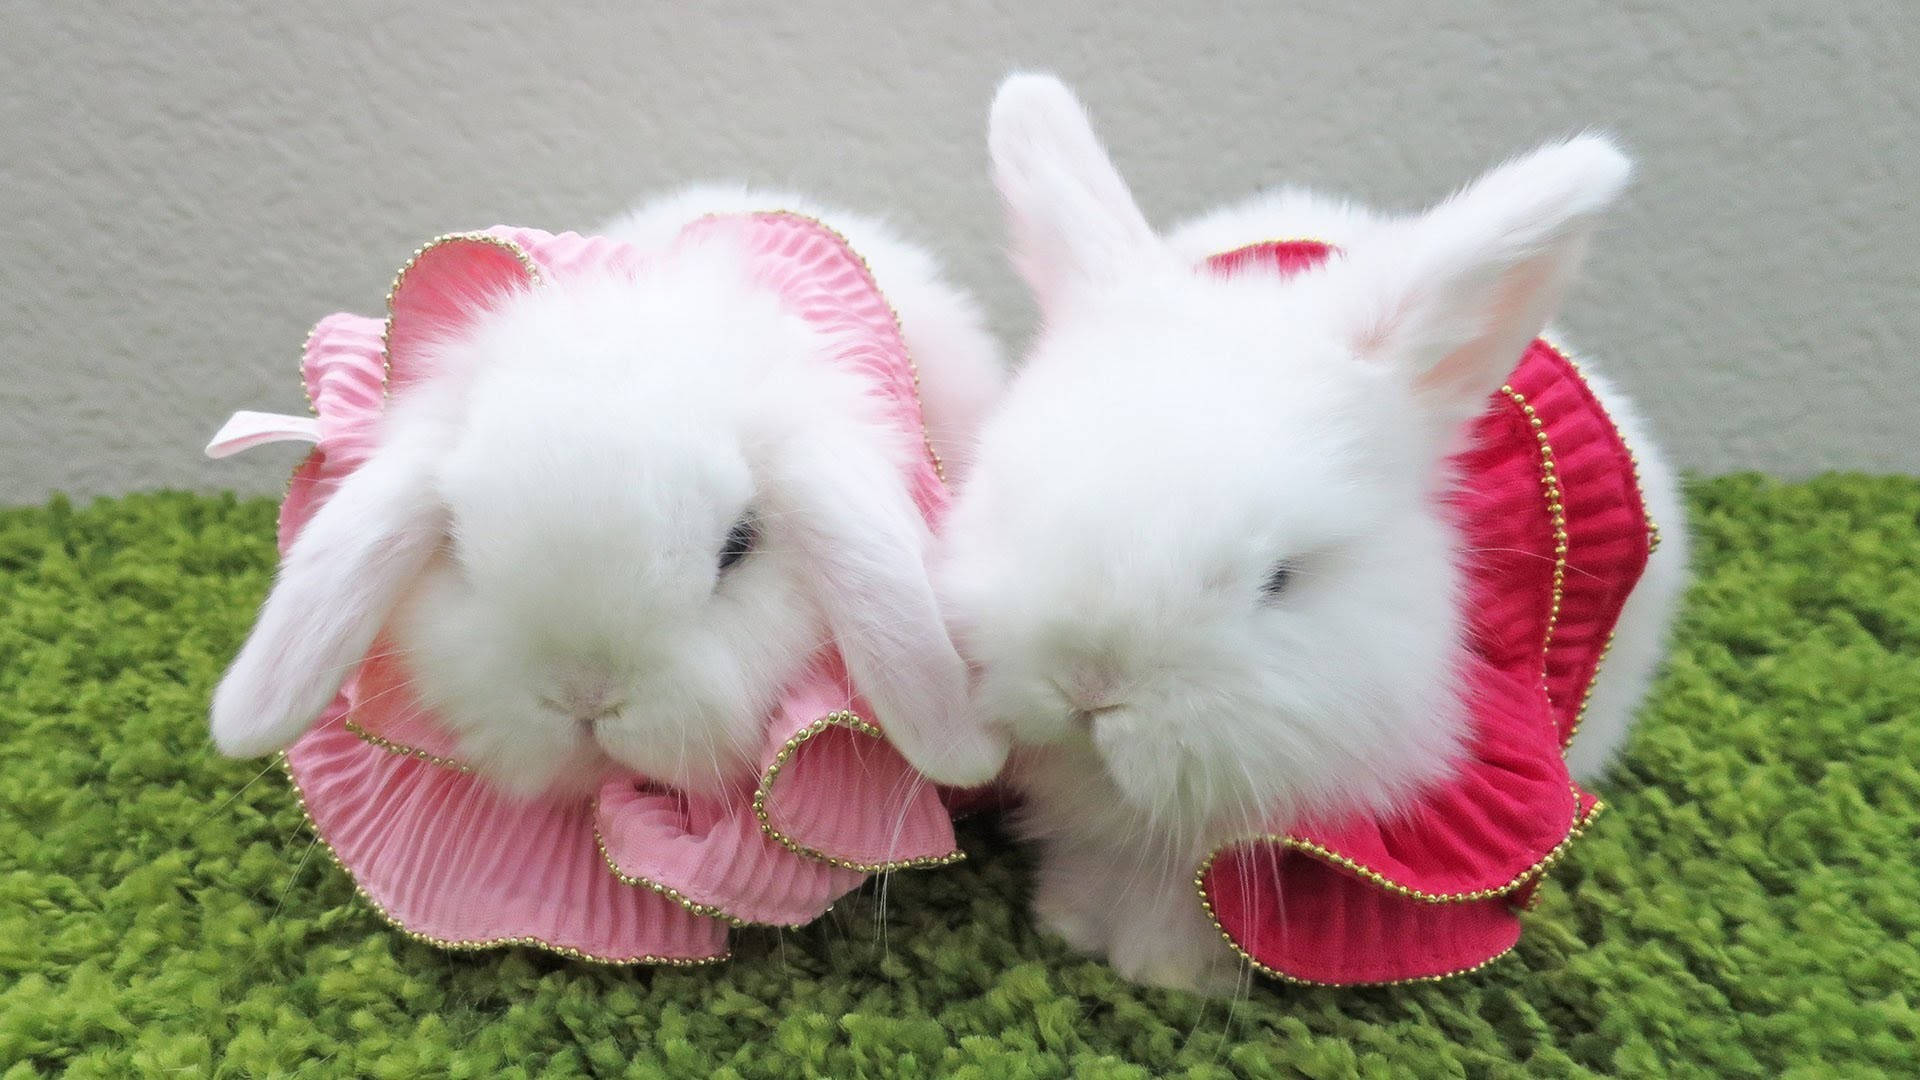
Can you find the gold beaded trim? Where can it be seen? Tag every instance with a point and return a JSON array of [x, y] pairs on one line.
[[709, 910], [1328, 855], [1537, 871], [1556, 508], [306, 343], [1653, 527], [853, 722], [524, 257], [899, 328], [300, 799], [1653, 541], [846, 719], [1586, 696], [387, 744]]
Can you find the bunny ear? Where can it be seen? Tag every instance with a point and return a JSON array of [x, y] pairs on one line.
[[336, 586], [1458, 293], [863, 531], [449, 282], [347, 567], [1071, 214]]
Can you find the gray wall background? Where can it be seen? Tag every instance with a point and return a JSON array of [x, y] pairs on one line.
[[187, 187]]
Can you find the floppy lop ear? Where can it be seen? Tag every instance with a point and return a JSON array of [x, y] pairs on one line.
[[1457, 294], [337, 585], [1071, 216], [869, 544], [343, 574]]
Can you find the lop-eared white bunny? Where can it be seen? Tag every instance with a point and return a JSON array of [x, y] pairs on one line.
[[624, 510], [1203, 566]]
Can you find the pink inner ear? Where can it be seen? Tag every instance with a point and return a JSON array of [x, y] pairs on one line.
[[447, 286]]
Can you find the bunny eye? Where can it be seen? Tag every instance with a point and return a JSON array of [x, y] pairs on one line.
[[1278, 578], [740, 540]]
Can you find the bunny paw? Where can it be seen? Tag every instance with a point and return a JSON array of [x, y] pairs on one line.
[[1080, 928], [1197, 967]]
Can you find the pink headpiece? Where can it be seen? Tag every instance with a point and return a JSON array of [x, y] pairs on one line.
[[639, 873]]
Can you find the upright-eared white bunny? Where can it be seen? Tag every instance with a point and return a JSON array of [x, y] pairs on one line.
[[623, 510], [1202, 565]]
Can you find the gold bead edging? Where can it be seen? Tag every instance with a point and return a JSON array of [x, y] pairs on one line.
[[1327, 855], [1586, 696], [847, 719], [1556, 510], [521, 254], [300, 800], [853, 722], [1633, 459], [389, 745], [710, 911], [1535, 873], [1646, 513], [899, 327]]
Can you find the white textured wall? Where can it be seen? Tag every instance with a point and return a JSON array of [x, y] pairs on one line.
[[186, 187]]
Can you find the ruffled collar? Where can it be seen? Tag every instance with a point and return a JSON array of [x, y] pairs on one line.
[[639, 873], [1550, 504]]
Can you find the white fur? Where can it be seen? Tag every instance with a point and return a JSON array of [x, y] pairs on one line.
[[961, 372], [539, 536], [1173, 436]]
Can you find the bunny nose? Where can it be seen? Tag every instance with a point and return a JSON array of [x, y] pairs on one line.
[[1091, 688], [586, 700]]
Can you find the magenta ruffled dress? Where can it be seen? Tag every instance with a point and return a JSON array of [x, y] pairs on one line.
[[640, 872]]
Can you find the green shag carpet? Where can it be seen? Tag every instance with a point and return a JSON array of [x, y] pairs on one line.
[[1749, 907]]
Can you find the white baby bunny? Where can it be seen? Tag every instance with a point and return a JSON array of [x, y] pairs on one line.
[[624, 512], [1201, 565]]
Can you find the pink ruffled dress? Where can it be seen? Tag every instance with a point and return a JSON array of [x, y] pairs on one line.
[[1551, 505], [639, 873]]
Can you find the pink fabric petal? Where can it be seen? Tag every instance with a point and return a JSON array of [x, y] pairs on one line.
[[1302, 920], [712, 856], [438, 294], [833, 789], [829, 284], [344, 373], [1511, 806], [382, 709], [451, 861], [1608, 534]]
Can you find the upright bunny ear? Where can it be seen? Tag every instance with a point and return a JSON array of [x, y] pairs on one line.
[[338, 583], [1459, 292], [863, 531], [1070, 213]]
